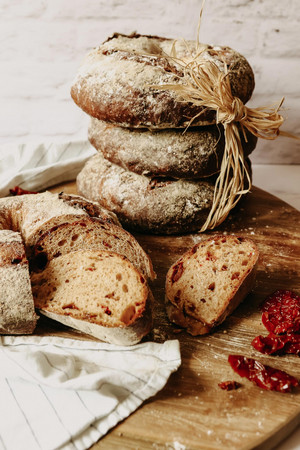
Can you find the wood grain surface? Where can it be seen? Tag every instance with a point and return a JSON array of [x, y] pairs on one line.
[[192, 412]]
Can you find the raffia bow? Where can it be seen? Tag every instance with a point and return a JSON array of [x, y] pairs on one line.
[[208, 87]]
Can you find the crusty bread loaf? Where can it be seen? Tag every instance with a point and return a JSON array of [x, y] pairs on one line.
[[17, 315], [196, 153], [34, 214], [89, 233], [209, 281], [46, 220], [115, 82], [101, 293], [160, 206], [152, 205]]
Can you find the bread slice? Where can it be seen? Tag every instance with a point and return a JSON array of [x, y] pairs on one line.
[[17, 315], [90, 233], [98, 292], [209, 281]]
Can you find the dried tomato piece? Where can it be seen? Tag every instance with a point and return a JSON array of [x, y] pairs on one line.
[[265, 377], [278, 344], [19, 191], [229, 385], [281, 312]]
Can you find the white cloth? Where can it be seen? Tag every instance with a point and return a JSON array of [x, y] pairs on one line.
[[64, 393], [36, 166]]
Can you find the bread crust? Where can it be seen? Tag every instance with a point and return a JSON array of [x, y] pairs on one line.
[[181, 313], [195, 153], [17, 315], [115, 82], [159, 206]]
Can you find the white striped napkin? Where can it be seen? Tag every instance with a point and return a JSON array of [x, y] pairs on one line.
[[64, 393], [38, 166]]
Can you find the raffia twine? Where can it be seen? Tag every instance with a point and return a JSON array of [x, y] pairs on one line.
[[207, 86]]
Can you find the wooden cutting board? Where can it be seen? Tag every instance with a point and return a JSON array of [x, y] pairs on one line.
[[192, 412]]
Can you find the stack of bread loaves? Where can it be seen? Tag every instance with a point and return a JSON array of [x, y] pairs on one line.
[[155, 168]]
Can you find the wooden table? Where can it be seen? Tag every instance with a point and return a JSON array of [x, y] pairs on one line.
[[192, 412]]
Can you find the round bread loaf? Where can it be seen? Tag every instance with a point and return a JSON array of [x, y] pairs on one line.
[[115, 82], [155, 205], [196, 153]]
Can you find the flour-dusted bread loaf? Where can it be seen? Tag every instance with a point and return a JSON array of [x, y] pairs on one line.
[[89, 233], [194, 153], [34, 214], [53, 224], [98, 292], [115, 82], [17, 315], [160, 206], [209, 281]]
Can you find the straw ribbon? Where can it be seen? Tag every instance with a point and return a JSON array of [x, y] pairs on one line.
[[236, 113], [207, 86]]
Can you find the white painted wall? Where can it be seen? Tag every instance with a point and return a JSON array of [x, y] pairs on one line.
[[43, 43]]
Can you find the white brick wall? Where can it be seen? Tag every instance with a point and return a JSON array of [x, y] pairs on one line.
[[43, 42]]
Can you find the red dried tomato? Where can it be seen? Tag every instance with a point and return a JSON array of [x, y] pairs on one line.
[[19, 191], [281, 312], [265, 377], [229, 385], [278, 344]]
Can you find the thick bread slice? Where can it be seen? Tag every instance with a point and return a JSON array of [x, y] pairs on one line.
[[101, 293], [196, 153], [115, 82], [209, 281], [89, 233], [17, 315]]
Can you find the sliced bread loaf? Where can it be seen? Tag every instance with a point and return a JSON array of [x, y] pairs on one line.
[[34, 214], [98, 292], [52, 224], [209, 281]]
